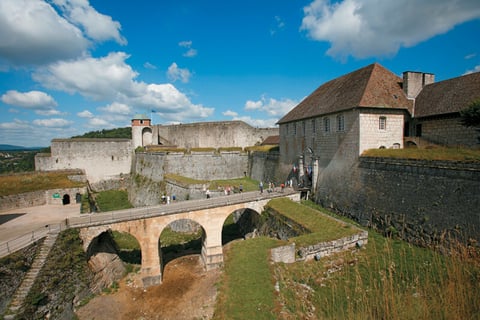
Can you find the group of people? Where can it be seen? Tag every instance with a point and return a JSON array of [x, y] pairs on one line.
[[228, 190], [166, 199], [272, 188]]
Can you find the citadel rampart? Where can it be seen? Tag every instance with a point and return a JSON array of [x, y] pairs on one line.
[[149, 171], [211, 134], [102, 159], [417, 200]]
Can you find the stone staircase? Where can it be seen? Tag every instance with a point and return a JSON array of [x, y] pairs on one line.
[[22, 291]]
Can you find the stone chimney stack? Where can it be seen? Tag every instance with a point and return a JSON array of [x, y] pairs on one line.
[[413, 82]]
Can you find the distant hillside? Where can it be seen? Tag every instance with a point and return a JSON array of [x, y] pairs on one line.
[[9, 147], [125, 133]]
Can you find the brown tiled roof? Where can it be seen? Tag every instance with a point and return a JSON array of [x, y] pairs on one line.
[[370, 86], [447, 96], [271, 140]]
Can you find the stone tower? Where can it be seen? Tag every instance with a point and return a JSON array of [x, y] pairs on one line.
[[141, 131]]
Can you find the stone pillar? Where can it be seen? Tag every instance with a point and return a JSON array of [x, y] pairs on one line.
[[212, 249], [151, 262], [300, 168], [315, 174]]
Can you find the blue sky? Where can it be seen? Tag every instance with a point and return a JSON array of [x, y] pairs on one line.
[[73, 66]]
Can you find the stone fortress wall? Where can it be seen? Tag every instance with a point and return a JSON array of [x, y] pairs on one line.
[[417, 200], [211, 134], [102, 159]]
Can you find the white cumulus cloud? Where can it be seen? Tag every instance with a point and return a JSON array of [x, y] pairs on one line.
[[30, 100], [230, 113], [97, 78], [110, 78], [175, 73], [52, 123], [39, 32], [116, 108], [368, 28], [28, 27], [190, 53], [85, 114], [271, 106], [475, 69], [97, 26]]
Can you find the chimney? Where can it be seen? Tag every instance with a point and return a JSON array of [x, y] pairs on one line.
[[413, 82]]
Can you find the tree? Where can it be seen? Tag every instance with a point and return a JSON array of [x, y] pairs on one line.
[[470, 117]]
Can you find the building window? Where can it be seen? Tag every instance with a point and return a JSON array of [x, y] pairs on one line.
[[340, 122], [295, 129], [286, 129], [326, 124], [304, 128], [314, 129], [141, 121], [382, 123]]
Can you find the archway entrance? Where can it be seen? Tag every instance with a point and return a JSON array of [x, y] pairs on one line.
[[66, 199]]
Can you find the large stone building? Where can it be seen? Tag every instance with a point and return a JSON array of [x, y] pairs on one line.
[[374, 108]]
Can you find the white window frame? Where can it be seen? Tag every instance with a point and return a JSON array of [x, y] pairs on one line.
[[382, 123]]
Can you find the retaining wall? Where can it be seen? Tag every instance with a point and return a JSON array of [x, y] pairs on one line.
[[419, 201]]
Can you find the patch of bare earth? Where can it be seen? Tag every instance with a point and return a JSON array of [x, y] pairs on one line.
[[187, 292]]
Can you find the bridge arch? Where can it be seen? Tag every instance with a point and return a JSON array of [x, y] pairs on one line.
[[240, 224], [179, 238]]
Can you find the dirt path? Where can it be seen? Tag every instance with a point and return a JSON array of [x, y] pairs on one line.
[[187, 292]]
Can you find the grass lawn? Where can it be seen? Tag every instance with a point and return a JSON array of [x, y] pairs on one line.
[[113, 200], [247, 288], [322, 227], [36, 181], [386, 279]]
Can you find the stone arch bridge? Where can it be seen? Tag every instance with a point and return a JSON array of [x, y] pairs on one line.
[[146, 225]]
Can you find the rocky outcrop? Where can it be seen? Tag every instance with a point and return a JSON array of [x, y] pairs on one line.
[[107, 268], [104, 262]]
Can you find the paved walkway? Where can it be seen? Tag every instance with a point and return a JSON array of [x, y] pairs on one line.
[[17, 222]]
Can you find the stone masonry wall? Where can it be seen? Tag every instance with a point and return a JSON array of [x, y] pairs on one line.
[[195, 165], [102, 159], [417, 200], [212, 134], [374, 137], [39, 198], [449, 131]]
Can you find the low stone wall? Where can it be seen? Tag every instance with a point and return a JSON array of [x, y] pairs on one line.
[[290, 253], [324, 249], [23, 200], [40, 198]]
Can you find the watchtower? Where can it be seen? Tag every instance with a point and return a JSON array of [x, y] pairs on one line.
[[141, 131]]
